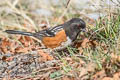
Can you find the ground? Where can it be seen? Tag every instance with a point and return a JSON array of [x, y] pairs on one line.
[[94, 56]]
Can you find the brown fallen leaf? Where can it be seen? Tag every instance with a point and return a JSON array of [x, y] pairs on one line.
[[93, 43], [99, 75], [116, 76], [80, 50], [68, 78], [26, 41], [3, 49], [84, 43], [13, 46], [5, 42], [5, 45], [107, 78], [45, 56], [22, 50]]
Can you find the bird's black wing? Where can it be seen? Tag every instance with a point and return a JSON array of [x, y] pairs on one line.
[[50, 32]]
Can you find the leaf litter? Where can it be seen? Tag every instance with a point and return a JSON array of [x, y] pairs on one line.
[[29, 45]]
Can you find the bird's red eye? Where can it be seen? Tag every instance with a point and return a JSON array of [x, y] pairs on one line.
[[78, 25]]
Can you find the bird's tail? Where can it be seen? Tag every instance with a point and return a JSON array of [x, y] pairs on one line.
[[19, 32]]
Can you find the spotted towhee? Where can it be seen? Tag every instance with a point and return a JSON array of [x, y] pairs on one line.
[[57, 37]]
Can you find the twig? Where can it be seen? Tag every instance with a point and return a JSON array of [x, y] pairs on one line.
[[15, 2], [67, 3], [65, 11], [46, 69]]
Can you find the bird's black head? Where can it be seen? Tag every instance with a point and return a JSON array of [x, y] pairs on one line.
[[78, 24], [73, 27]]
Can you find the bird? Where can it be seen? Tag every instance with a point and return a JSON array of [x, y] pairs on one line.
[[57, 37]]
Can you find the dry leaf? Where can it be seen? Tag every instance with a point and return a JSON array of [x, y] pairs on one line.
[[115, 58], [68, 78], [116, 76], [13, 46], [95, 42], [4, 49], [84, 43], [77, 44], [5, 45], [26, 41], [80, 50], [99, 75], [45, 56], [22, 50], [107, 78]]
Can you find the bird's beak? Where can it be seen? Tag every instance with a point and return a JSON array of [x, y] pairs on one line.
[[83, 30]]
